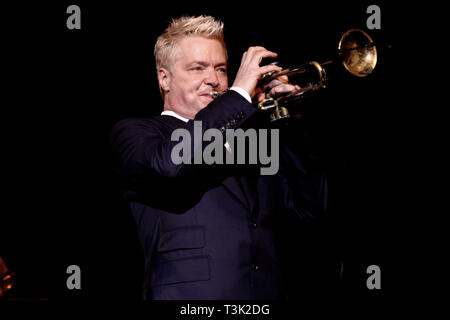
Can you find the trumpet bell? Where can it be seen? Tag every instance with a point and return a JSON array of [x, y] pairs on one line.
[[358, 52]]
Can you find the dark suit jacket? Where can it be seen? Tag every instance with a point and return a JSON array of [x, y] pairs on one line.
[[207, 231]]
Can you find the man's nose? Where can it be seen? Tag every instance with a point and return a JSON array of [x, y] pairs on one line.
[[212, 79]]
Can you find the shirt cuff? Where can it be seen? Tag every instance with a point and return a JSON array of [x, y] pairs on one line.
[[243, 93]]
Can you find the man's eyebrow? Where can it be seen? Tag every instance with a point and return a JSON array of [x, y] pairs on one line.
[[205, 64]]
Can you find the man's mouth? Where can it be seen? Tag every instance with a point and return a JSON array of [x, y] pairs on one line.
[[206, 91], [207, 95]]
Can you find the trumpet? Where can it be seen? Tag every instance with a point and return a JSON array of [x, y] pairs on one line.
[[356, 52]]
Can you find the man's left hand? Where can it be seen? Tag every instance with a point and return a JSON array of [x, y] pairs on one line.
[[278, 86]]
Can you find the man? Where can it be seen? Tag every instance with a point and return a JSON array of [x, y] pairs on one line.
[[207, 231]]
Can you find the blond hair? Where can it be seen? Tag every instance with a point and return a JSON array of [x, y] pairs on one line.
[[202, 26]]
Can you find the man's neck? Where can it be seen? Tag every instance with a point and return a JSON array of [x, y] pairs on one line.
[[168, 112]]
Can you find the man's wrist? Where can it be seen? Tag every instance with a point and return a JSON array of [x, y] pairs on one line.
[[242, 92]]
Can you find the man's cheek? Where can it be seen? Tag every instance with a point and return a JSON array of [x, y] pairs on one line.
[[224, 83]]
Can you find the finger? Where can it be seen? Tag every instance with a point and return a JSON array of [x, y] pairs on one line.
[[249, 54], [261, 96], [260, 53], [269, 68], [265, 54], [274, 83], [244, 56], [284, 79], [256, 49], [285, 88]]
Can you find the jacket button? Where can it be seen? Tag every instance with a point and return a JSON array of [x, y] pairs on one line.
[[254, 225], [255, 267]]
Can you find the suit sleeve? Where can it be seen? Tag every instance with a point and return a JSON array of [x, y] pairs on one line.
[[304, 190], [140, 151]]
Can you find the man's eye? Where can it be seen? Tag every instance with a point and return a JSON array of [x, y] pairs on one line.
[[224, 70], [197, 68]]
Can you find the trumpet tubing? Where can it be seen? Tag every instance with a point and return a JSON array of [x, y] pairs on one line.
[[356, 52]]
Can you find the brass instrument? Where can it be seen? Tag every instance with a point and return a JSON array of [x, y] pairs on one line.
[[357, 53]]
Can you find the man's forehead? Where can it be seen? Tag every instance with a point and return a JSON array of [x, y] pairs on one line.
[[197, 47]]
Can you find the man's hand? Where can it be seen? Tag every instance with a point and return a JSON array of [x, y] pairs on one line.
[[250, 72], [277, 87]]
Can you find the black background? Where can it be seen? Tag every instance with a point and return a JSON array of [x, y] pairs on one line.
[[64, 89]]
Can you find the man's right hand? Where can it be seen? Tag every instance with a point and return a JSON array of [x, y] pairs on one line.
[[250, 72]]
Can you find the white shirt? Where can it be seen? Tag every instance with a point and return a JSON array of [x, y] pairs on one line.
[[241, 91]]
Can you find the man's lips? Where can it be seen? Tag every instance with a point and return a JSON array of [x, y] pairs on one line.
[[206, 91], [206, 95]]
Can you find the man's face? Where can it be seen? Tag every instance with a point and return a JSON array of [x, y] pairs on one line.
[[199, 67]]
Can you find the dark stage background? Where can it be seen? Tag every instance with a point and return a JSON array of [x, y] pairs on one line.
[[64, 89]]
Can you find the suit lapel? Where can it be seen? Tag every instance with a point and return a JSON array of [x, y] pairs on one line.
[[233, 186], [243, 188], [249, 188]]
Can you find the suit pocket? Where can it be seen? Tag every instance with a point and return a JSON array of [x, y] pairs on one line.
[[180, 258], [182, 270], [191, 237]]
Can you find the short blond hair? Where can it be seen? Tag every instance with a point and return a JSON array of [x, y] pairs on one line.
[[187, 26]]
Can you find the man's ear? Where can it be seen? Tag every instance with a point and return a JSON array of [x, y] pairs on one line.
[[164, 79]]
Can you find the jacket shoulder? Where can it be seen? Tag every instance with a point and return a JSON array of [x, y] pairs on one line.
[[134, 123]]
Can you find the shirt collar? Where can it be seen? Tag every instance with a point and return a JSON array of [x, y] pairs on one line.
[[173, 114]]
